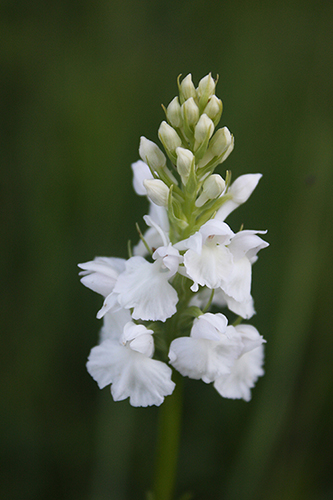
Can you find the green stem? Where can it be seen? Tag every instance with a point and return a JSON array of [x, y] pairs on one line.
[[168, 444]]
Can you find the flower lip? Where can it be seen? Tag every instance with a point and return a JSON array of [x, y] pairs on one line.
[[144, 287], [131, 373]]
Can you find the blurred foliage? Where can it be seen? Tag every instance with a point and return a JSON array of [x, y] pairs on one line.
[[80, 82]]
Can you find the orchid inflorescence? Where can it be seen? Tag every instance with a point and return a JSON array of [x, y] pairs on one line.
[[158, 304]]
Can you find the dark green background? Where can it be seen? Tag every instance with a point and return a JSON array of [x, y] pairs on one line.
[[81, 81]]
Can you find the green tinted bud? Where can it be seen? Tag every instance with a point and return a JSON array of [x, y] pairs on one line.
[[229, 149], [173, 113], [220, 147], [220, 141], [157, 191], [206, 86], [214, 109], [151, 154], [190, 112], [213, 186], [203, 131], [187, 89], [205, 90], [169, 138], [185, 158]]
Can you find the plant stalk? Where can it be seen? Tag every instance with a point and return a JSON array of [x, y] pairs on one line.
[[168, 443]]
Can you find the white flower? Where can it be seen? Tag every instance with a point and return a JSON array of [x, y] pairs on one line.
[[235, 293], [244, 247], [208, 260], [145, 286], [247, 368], [239, 191], [243, 376], [101, 274], [210, 351], [123, 360]]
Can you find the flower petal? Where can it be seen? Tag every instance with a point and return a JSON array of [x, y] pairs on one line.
[[243, 376], [247, 243], [209, 326], [239, 285], [251, 338], [245, 308], [110, 304], [170, 257], [100, 274], [139, 338], [216, 228]]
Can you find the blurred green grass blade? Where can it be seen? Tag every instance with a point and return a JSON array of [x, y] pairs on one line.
[[114, 439]]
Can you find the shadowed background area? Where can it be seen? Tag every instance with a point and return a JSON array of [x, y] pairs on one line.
[[81, 81]]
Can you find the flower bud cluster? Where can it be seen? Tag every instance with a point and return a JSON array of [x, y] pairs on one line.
[[194, 149], [188, 261]]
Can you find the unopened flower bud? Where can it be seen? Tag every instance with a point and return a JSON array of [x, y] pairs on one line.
[[205, 90], [206, 86], [204, 129], [187, 88], [184, 162], [157, 191], [173, 113], [211, 189], [220, 141], [151, 154], [169, 137], [214, 109], [190, 112], [220, 147]]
